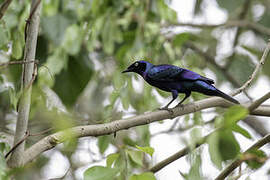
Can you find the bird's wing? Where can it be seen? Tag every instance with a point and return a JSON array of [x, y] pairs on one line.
[[174, 73]]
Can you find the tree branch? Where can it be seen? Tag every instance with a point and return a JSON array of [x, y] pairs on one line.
[[256, 70], [237, 162], [176, 156], [230, 23], [258, 102], [27, 76], [109, 128], [4, 7], [212, 60]]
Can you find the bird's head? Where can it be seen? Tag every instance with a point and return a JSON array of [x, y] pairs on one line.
[[139, 67]]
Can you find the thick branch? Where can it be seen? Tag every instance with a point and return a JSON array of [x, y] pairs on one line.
[[237, 162], [27, 76], [108, 128]]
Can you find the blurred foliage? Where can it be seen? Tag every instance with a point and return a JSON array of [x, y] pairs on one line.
[[82, 48]]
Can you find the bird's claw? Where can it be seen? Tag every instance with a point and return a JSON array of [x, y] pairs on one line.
[[167, 109], [179, 105]]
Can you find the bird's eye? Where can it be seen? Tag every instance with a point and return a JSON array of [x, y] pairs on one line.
[[136, 64]]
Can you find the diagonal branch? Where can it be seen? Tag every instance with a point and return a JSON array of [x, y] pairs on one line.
[[109, 128], [237, 162], [258, 102], [256, 70], [212, 60]]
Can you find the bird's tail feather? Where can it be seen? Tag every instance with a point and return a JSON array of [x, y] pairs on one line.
[[227, 97]]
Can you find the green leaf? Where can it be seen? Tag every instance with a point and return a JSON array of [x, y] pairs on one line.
[[111, 158], [72, 40], [70, 83], [55, 26], [241, 130], [227, 145], [114, 95], [230, 5], [258, 158], [222, 146], [241, 67], [100, 173], [147, 149], [179, 39], [136, 156], [195, 170], [234, 114], [3, 36], [143, 176], [3, 167], [103, 143], [17, 45], [212, 141]]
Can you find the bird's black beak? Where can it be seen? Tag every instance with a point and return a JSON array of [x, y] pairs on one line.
[[127, 70]]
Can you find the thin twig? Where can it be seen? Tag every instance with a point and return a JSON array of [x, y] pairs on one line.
[[4, 7], [17, 144], [230, 23], [256, 70], [238, 161], [27, 134], [18, 62], [178, 154]]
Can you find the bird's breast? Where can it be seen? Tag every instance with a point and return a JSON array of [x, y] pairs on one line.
[[166, 85]]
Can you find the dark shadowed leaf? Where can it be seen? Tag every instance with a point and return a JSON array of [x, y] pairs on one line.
[[55, 26], [230, 5], [103, 143], [72, 80], [179, 39], [228, 145], [241, 68]]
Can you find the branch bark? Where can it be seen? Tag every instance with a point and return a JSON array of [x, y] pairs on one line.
[[109, 128], [258, 102], [27, 76], [237, 162]]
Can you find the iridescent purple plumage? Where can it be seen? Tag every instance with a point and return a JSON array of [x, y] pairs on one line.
[[176, 80]]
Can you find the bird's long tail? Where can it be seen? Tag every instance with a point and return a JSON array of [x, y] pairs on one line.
[[227, 97], [209, 89]]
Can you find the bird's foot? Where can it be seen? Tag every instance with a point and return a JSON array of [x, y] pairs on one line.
[[167, 109], [179, 105]]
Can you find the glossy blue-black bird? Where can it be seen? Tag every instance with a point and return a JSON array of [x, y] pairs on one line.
[[176, 80]]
